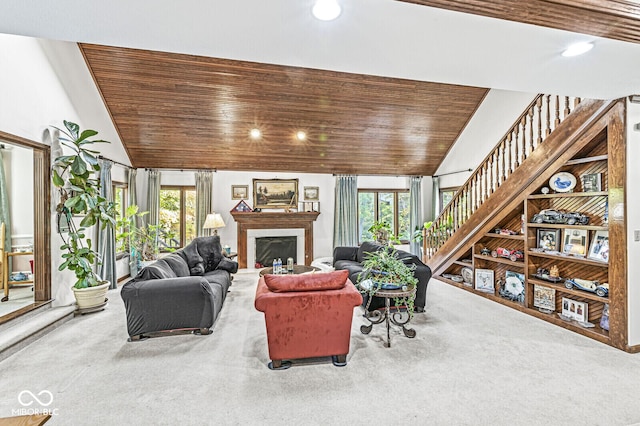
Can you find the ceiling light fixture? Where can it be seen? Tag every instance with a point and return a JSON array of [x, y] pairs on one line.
[[577, 49], [255, 133], [301, 135], [326, 10]]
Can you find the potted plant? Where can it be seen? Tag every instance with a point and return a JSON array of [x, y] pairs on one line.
[[383, 270], [75, 176], [141, 238], [382, 233]]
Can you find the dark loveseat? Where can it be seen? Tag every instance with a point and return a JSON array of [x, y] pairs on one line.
[[351, 258], [183, 290]]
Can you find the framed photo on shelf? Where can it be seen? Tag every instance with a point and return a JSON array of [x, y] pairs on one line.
[[239, 192], [591, 182], [544, 298], [275, 193], [575, 242], [599, 249], [575, 310], [311, 193], [548, 239], [485, 281]]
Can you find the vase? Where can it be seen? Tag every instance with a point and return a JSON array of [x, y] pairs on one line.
[[91, 297]]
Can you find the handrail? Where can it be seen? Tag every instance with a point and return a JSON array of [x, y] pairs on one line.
[[527, 133]]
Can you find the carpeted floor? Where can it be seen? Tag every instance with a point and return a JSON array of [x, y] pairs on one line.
[[473, 362]]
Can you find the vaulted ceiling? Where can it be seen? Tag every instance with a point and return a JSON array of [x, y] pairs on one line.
[[182, 111], [385, 89]]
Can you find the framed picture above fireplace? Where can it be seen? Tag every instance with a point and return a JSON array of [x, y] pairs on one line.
[[275, 193]]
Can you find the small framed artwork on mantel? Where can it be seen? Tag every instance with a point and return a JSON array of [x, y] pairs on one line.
[[239, 192], [311, 193]]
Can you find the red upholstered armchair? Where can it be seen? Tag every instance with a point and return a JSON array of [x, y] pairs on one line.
[[307, 315]]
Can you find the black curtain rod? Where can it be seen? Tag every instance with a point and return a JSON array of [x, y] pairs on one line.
[[453, 173], [102, 157]]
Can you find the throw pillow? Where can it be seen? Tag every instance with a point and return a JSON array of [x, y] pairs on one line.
[[334, 280]]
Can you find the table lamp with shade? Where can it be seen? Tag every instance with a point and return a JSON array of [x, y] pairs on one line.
[[213, 221]]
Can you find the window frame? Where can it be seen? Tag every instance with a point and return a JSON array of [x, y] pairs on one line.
[[452, 189], [376, 210], [183, 214]]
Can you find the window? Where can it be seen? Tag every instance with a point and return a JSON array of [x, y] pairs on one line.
[[120, 199], [385, 205], [446, 195], [177, 216]]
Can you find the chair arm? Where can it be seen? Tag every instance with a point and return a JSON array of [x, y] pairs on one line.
[[345, 253]]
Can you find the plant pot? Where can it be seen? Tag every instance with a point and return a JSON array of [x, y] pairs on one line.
[[91, 297]]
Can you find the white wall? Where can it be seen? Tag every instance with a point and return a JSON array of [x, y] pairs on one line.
[[34, 98], [496, 114], [633, 222]]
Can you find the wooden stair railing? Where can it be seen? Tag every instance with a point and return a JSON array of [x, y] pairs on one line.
[[562, 145], [527, 134]]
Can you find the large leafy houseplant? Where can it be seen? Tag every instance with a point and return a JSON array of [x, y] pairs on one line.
[[76, 177], [386, 271]]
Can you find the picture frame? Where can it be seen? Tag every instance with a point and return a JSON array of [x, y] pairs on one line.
[[548, 239], [592, 182], [513, 286], [275, 193], [311, 193], [575, 310], [575, 242], [239, 192], [484, 281], [544, 298], [599, 249]]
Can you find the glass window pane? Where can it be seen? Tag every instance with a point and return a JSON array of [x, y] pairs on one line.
[[386, 209], [366, 216], [404, 231], [117, 199], [190, 215], [169, 218]]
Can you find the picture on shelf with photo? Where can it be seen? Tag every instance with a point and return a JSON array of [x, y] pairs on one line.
[[575, 242], [484, 281], [575, 310], [544, 298], [599, 249], [591, 182], [548, 239]]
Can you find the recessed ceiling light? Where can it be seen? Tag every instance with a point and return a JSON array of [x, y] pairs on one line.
[[326, 10], [255, 133], [577, 49], [301, 135]]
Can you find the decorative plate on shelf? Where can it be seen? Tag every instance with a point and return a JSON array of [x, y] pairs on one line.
[[562, 182], [467, 274]]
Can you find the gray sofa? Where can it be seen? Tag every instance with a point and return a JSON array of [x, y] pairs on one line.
[[183, 290], [351, 258]]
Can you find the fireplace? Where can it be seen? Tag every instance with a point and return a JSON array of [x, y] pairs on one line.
[[252, 225], [269, 248]]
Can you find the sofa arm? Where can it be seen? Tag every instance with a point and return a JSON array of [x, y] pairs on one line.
[[228, 265], [167, 304], [345, 253]]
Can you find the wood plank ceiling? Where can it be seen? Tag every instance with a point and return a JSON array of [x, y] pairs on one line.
[[614, 19], [188, 112]]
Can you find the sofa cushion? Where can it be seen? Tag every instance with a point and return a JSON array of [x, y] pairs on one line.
[[190, 254], [334, 280], [158, 269], [367, 247], [177, 264]]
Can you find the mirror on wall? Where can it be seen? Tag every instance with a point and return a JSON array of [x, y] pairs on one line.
[[17, 235]]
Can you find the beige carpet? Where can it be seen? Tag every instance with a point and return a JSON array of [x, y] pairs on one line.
[[473, 362]]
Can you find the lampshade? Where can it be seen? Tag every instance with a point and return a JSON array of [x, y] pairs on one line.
[[213, 220]]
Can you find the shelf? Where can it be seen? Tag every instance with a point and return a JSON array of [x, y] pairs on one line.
[[20, 282], [596, 332], [507, 237], [502, 260], [461, 263], [562, 288], [575, 259], [19, 253], [564, 226], [587, 160], [569, 195]]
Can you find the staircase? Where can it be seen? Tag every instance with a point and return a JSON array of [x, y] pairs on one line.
[[546, 135]]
